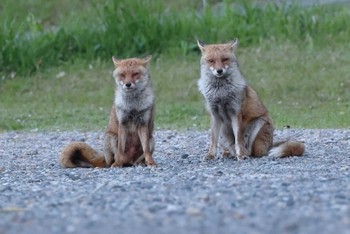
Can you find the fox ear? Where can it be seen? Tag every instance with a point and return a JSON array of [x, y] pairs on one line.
[[146, 60], [234, 43], [200, 44], [115, 61]]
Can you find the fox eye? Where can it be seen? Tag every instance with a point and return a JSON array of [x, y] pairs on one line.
[[135, 74], [210, 60], [225, 59], [122, 75]]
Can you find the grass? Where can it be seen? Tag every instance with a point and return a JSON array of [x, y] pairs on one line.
[[35, 39], [301, 88], [55, 68]]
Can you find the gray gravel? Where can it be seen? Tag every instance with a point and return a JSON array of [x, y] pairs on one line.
[[309, 194]]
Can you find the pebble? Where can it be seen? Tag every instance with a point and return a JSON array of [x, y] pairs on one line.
[[193, 211], [184, 156]]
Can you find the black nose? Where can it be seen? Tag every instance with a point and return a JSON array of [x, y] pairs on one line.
[[128, 85], [219, 71]]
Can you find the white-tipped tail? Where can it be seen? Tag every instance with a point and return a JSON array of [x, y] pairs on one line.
[[287, 149], [276, 151]]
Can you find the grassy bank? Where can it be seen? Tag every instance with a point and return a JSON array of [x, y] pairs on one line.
[[55, 68], [301, 90]]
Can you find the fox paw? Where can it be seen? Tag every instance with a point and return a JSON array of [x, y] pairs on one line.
[[226, 153], [142, 164], [117, 164], [209, 157], [242, 157], [151, 163]]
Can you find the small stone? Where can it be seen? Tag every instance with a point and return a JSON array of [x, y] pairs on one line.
[[184, 156], [290, 202], [169, 137], [33, 152], [193, 211], [219, 173], [6, 188], [156, 207], [238, 216], [172, 209]]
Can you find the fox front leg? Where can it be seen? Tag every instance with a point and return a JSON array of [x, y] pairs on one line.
[[143, 132], [119, 157], [215, 131], [241, 151], [110, 148], [227, 141]]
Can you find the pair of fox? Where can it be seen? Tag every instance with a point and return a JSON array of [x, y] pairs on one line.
[[240, 123]]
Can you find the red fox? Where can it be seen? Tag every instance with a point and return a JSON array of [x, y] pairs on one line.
[[128, 138], [240, 122]]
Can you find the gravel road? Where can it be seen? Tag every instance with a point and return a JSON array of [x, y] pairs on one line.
[[309, 194]]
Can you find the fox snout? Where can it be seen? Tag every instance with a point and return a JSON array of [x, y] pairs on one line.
[[128, 86], [218, 72]]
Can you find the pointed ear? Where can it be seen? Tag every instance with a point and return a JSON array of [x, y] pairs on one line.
[[115, 61], [234, 43], [201, 45], [146, 60]]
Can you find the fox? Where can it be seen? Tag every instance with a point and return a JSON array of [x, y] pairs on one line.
[[240, 123], [128, 139]]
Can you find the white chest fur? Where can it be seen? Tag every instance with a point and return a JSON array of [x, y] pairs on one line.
[[134, 106]]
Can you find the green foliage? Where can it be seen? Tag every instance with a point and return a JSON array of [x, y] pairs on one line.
[[55, 66], [31, 40], [301, 89]]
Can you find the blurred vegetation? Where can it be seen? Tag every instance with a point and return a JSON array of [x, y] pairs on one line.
[[55, 60], [36, 34]]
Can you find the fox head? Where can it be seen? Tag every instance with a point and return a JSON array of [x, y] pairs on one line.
[[131, 74], [217, 59]]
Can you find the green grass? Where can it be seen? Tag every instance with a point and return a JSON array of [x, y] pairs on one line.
[[301, 88], [55, 66], [41, 37]]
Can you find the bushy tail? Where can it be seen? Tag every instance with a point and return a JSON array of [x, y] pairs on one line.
[[287, 148], [80, 154]]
